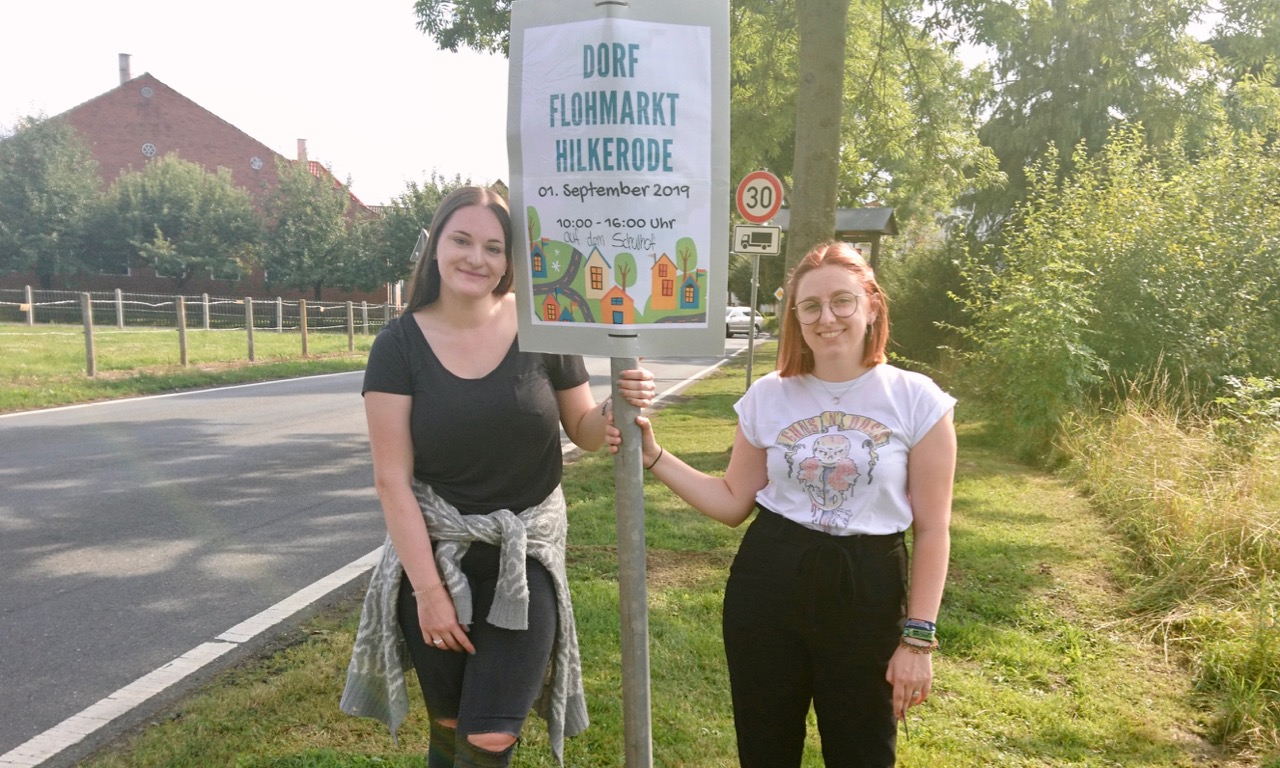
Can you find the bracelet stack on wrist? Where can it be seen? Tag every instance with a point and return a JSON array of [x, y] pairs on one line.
[[428, 590], [919, 636]]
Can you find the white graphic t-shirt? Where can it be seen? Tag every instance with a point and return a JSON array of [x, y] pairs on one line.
[[841, 468]]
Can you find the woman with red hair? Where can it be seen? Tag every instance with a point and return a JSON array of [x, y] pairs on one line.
[[840, 453]]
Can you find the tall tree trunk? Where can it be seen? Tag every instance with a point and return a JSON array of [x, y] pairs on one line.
[[822, 25]]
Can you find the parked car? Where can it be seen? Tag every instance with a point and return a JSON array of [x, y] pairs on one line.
[[742, 320]]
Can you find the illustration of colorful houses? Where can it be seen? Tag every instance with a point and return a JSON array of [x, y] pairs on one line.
[[662, 294], [617, 308], [691, 290], [538, 258], [598, 274], [551, 307], [556, 308]]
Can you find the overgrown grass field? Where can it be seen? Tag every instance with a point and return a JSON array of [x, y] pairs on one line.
[[1045, 660]]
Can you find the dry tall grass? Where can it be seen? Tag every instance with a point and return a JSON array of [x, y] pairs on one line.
[[1199, 506]]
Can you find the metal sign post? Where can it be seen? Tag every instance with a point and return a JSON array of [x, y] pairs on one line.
[[751, 335], [758, 198], [618, 126], [633, 604]]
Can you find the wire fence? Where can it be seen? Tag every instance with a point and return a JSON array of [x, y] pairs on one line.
[[139, 311], [142, 310]]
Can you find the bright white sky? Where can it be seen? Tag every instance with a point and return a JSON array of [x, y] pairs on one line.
[[375, 99]]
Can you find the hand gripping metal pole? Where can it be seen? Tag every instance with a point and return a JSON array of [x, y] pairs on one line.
[[628, 478]]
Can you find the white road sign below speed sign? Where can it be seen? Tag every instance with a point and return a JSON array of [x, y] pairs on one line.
[[759, 196]]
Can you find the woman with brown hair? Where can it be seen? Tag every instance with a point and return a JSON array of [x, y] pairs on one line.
[[464, 429]]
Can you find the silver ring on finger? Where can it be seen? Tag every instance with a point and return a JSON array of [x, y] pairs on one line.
[[437, 641]]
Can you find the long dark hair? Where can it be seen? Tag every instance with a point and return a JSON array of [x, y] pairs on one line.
[[424, 280], [793, 354]]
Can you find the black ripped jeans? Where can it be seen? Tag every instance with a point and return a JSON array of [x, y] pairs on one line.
[[813, 618], [492, 691]]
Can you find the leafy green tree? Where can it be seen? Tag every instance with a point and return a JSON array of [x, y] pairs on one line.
[[908, 137], [920, 282], [771, 277], [483, 25], [686, 255], [624, 270], [1247, 41], [739, 278], [48, 184], [179, 219], [905, 135], [1247, 38], [312, 241], [821, 27], [1068, 72], [368, 264], [1142, 259], [406, 216]]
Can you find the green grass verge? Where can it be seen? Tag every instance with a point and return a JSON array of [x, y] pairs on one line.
[[45, 366], [1040, 664]]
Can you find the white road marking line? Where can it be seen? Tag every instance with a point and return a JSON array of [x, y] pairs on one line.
[[74, 729]]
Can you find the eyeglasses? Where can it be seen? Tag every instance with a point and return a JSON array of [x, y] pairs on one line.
[[842, 305]]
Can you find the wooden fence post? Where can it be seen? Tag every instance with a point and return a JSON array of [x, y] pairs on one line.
[[364, 316], [120, 309], [205, 309], [86, 314], [302, 323], [351, 327], [279, 315], [31, 305], [182, 330], [248, 323]]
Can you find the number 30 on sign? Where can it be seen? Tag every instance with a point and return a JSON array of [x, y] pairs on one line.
[[759, 196]]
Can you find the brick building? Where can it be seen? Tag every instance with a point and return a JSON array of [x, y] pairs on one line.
[[144, 118]]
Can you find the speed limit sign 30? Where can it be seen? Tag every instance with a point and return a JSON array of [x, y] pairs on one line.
[[759, 196]]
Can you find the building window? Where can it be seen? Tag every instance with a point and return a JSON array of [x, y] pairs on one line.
[[662, 269], [668, 287], [255, 163], [149, 149], [689, 294], [597, 279], [147, 92]]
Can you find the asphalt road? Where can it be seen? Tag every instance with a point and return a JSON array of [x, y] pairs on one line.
[[134, 531]]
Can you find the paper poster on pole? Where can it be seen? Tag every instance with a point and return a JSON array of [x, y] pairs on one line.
[[618, 141]]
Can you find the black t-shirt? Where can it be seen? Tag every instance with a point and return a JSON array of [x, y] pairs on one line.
[[481, 444]]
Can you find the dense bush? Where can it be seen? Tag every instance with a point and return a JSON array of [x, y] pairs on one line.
[[1141, 259]]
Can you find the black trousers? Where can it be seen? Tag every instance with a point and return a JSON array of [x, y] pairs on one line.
[[811, 618], [492, 691]]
